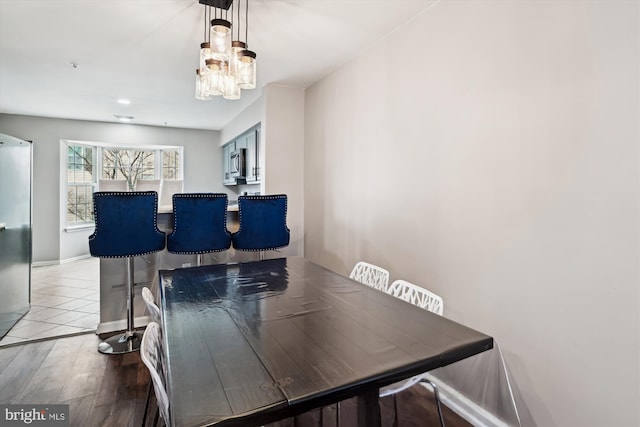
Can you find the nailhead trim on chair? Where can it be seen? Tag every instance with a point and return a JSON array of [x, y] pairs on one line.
[[256, 197], [199, 195], [126, 194]]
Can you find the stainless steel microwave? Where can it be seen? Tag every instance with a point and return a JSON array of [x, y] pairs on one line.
[[237, 163]]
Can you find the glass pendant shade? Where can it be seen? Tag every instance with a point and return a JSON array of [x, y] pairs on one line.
[[236, 49], [215, 76], [246, 70], [220, 39], [202, 92], [231, 89], [205, 53]]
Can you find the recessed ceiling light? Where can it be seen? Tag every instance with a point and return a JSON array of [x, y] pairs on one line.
[[123, 118], [124, 101]]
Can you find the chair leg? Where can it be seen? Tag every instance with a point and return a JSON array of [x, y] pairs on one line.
[[156, 418], [130, 340], [395, 411], [338, 414], [436, 394], [146, 405]]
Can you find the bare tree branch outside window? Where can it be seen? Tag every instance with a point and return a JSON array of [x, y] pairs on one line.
[[117, 163]]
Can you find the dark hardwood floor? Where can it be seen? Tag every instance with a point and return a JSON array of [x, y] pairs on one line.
[[111, 390]]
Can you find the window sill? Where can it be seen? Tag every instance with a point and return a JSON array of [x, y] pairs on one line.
[[76, 228]]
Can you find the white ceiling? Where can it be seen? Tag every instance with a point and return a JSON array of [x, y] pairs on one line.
[[147, 51]]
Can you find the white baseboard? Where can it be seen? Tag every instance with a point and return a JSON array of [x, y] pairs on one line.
[[463, 406], [59, 261]]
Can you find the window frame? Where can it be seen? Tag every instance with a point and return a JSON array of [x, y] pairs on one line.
[[97, 172]]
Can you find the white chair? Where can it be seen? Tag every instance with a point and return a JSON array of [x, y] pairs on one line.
[[152, 308], [112, 185], [370, 275], [148, 185], [168, 188], [151, 354], [154, 313], [429, 301], [417, 296]]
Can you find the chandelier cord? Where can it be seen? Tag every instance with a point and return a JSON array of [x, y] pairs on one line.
[[205, 25], [239, 7], [246, 24], [231, 20]]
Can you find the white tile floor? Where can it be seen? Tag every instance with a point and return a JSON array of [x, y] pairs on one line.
[[65, 299]]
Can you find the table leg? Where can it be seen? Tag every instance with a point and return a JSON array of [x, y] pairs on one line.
[[369, 409]]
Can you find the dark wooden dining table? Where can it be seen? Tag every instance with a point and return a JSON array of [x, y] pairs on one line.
[[251, 343]]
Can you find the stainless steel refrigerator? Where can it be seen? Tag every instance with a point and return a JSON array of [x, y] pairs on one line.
[[15, 230]]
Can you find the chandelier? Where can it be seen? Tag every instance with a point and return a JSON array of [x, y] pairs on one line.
[[226, 63]]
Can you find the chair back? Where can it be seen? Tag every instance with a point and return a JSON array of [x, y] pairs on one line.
[[263, 223], [152, 308], [151, 355], [126, 224], [370, 275], [199, 224], [416, 295], [113, 185], [168, 188], [149, 185]]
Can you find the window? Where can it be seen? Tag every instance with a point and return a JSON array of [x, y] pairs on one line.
[[80, 179], [128, 164], [87, 163], [171, 164]]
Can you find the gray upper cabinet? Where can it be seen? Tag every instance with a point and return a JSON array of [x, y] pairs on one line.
[[227, 179], [253, 156], [248, 144]]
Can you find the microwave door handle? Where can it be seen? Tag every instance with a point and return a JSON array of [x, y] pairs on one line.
[[237, 163]]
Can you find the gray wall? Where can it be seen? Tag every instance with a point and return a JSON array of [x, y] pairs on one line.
[[202, 163], [488, 151]]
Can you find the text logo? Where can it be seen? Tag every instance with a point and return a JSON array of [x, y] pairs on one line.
[[34, 415]]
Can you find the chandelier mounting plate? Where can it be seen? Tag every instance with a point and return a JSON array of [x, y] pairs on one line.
[[220, 4]]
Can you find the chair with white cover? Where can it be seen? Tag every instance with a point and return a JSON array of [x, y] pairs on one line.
[[168, 188], [149, 185], [113, 185], [370, 275], [151, 354], [429, 301]]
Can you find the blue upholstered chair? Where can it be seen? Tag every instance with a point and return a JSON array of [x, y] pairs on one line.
[[126, 227], [263, 223], [199, 224]]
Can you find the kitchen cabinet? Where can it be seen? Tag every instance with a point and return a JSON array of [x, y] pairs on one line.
[[227, 179], [253, 159], [249, 142]]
